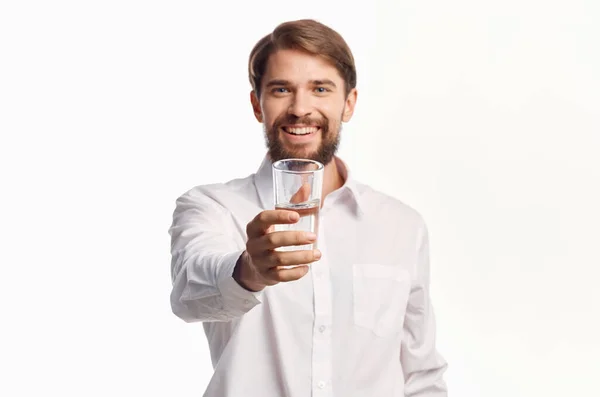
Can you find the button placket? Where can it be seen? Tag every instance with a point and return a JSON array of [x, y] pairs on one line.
[[322, 346]]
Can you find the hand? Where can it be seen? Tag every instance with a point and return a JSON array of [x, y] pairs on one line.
[[260, 265]]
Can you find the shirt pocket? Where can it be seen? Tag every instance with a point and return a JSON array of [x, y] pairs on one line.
[[380, 294]]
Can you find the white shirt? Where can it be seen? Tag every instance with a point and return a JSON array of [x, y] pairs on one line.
[[360, 323]]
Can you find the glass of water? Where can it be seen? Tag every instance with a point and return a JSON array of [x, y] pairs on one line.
[[297, 185]]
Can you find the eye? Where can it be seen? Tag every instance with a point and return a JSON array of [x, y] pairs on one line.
[[321, 90], [280, 90]]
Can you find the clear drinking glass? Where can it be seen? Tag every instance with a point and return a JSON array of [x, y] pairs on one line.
[[297, 185]]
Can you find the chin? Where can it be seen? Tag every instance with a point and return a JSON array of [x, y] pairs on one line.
[[304, 154]]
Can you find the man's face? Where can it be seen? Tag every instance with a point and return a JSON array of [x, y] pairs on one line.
[[302, 106]]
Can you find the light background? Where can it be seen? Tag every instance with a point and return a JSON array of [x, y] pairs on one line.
[[483, 115]]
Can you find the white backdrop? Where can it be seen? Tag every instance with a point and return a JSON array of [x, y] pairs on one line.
[[483, 115]]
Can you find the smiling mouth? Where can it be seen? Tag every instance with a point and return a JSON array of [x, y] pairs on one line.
[[300, 130]]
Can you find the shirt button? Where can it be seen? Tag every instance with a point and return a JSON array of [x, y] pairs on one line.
[[322, 328], [321, 385], [246, 302]]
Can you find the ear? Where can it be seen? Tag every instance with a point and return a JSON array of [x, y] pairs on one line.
[[256, 106], [349, 105]]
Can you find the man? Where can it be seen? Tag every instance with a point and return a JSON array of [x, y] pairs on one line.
[[356, 321]]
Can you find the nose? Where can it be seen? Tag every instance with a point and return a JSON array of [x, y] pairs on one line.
[[300, 105]]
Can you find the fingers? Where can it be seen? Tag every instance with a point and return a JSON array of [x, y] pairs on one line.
[[302, 194], [263, 221], [274, 240], [272, 264], [269, 265], [284, 275], [291, 258], [290, 266]]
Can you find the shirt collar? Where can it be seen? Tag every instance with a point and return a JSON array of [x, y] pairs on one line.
[[263, 180], [350, 184]]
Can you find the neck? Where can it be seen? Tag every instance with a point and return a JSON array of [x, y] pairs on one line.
[[332, 179]]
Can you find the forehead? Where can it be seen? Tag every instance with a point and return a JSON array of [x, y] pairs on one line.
[[297, 66]]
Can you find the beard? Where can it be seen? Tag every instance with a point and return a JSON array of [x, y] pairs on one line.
[[330, 139]]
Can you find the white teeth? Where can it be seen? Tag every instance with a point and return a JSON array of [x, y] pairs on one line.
[[301, 131]]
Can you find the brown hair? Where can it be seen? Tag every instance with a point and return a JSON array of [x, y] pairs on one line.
[[305, 35]]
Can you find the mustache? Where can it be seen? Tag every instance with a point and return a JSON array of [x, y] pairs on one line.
[[291, 119]]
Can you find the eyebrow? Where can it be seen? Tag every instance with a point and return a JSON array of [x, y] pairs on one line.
[[323, 82], [278, 82]]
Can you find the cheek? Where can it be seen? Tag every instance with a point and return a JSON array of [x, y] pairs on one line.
[[271, 112], [334, 115], [332, 109]]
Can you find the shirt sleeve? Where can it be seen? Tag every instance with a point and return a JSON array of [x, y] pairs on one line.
[[422, 365], [204, 250]]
